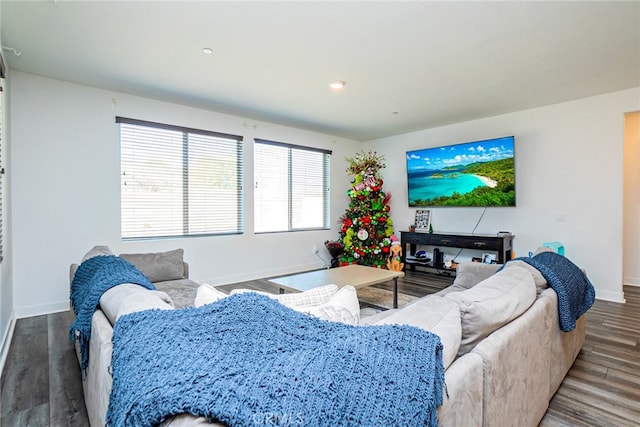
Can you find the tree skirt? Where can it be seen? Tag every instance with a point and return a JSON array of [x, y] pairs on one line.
[[380, 298]]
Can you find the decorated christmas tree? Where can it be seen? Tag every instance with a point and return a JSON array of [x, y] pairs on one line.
[[366, 226]]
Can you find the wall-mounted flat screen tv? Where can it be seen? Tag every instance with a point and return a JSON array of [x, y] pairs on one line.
[[479, 173]]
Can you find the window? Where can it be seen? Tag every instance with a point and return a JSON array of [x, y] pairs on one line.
[[178, 181], [291, 187]]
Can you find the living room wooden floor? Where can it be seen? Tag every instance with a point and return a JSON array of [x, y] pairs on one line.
[[41, 384]]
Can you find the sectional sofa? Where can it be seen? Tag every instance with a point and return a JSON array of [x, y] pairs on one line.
[[503, 350], [505, 354]]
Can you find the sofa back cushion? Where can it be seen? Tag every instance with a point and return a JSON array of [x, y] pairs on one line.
[[469, 274], [538, 278], [493, 303], [435, 314], [159, 266]]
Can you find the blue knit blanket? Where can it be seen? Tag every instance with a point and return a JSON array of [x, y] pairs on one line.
[[249, 360], [575, 292], [93, 278]]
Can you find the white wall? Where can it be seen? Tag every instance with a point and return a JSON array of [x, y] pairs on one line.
[[66, 194], [631, 213], [569, 175], [65, 186], [7, 318]]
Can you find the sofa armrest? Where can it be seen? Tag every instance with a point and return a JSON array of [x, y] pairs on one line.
[[463, 401], [72, 272]]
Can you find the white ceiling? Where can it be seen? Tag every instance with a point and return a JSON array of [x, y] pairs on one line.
[[408, 65]]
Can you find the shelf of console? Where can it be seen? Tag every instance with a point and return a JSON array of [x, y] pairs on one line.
[[500, 243]]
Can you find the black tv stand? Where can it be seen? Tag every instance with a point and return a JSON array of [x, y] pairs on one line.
[[501, 243]]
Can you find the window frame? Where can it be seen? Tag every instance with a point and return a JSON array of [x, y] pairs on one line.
[[326, 171], [186, 131]]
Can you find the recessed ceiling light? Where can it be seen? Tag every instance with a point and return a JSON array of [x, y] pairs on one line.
[[207, 50], [338, 84]]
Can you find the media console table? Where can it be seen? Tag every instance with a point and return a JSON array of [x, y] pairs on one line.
[[502, 244]]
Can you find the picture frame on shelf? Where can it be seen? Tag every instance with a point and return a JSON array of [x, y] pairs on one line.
[[488, 258], [422, 220]]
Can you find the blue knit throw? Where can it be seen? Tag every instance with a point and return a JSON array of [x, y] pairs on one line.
[[249, 360], [93, 278], [575, 292]]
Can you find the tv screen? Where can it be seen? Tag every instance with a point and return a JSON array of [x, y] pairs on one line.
[[479, 173]]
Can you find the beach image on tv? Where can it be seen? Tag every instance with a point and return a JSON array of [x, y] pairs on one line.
[[480, 173]]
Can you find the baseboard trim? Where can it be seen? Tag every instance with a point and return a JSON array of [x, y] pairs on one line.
[[6, 340], [631, 281], [611, 296], [39, 310]]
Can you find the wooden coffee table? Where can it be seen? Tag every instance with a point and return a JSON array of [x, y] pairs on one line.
[[357, 276]]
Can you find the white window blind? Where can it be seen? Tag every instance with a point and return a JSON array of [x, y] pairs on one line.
[[179, 181], [291, 187], [1, 165]]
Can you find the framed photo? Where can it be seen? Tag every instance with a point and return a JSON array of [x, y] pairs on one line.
[[423, 220], [489, 258]]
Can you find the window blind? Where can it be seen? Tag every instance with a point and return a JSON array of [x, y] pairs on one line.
[[291, 187], [1, 165], [178, 181]]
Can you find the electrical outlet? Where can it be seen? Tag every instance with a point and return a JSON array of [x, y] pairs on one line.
[[316, 250]]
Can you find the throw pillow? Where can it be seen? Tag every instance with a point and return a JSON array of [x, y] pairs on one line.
[[343, 307], [324, 302], [313, 296], [159, 266], [493, 303], [207, 294]]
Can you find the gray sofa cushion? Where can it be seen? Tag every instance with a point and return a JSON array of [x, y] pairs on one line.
[[159, 266], [182, 292], [435, 314], [493, 303]]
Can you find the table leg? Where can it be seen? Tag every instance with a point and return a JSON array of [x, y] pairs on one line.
[[395, 292]]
